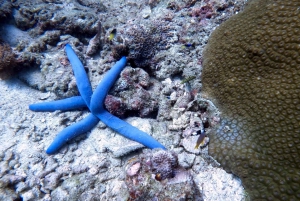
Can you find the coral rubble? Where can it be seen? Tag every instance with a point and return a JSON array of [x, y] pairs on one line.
[[156, 175]]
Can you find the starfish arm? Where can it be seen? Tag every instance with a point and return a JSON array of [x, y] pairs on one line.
[[106, 83], [71, 132], [128, 130], [72, 103], [82, 80]]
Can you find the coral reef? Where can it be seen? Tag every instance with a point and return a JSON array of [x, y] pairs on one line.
[[93, 4], [163, 164], [55, 180], [7, 61], [54, 76], [144, 39], [5, 9], [94, 101], [95, 42], [162, 91], [156, 175], [254, 80], [136, 94], [119, 51], [9, 161], [67, 17], [189, 113]]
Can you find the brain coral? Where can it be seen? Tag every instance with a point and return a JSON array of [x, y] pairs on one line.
[[252, 73]]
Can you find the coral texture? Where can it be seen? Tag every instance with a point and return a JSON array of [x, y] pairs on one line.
[[66, 17], [163, 164], [7, 61], [252, 72], [143, 40], [174, 183], [135, 93], [5, 9]]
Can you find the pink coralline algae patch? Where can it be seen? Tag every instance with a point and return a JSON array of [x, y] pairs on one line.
[[133, 170]]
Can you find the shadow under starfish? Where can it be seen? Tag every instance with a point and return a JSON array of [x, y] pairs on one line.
[[95, 103]]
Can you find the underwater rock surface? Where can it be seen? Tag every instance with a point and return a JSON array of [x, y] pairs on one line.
[[252, 73]]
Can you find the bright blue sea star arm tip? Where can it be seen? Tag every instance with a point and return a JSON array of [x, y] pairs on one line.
[[128, 131], [71, 132], [82, 80]]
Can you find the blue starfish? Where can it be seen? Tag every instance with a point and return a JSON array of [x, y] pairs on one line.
[[95, 103]]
